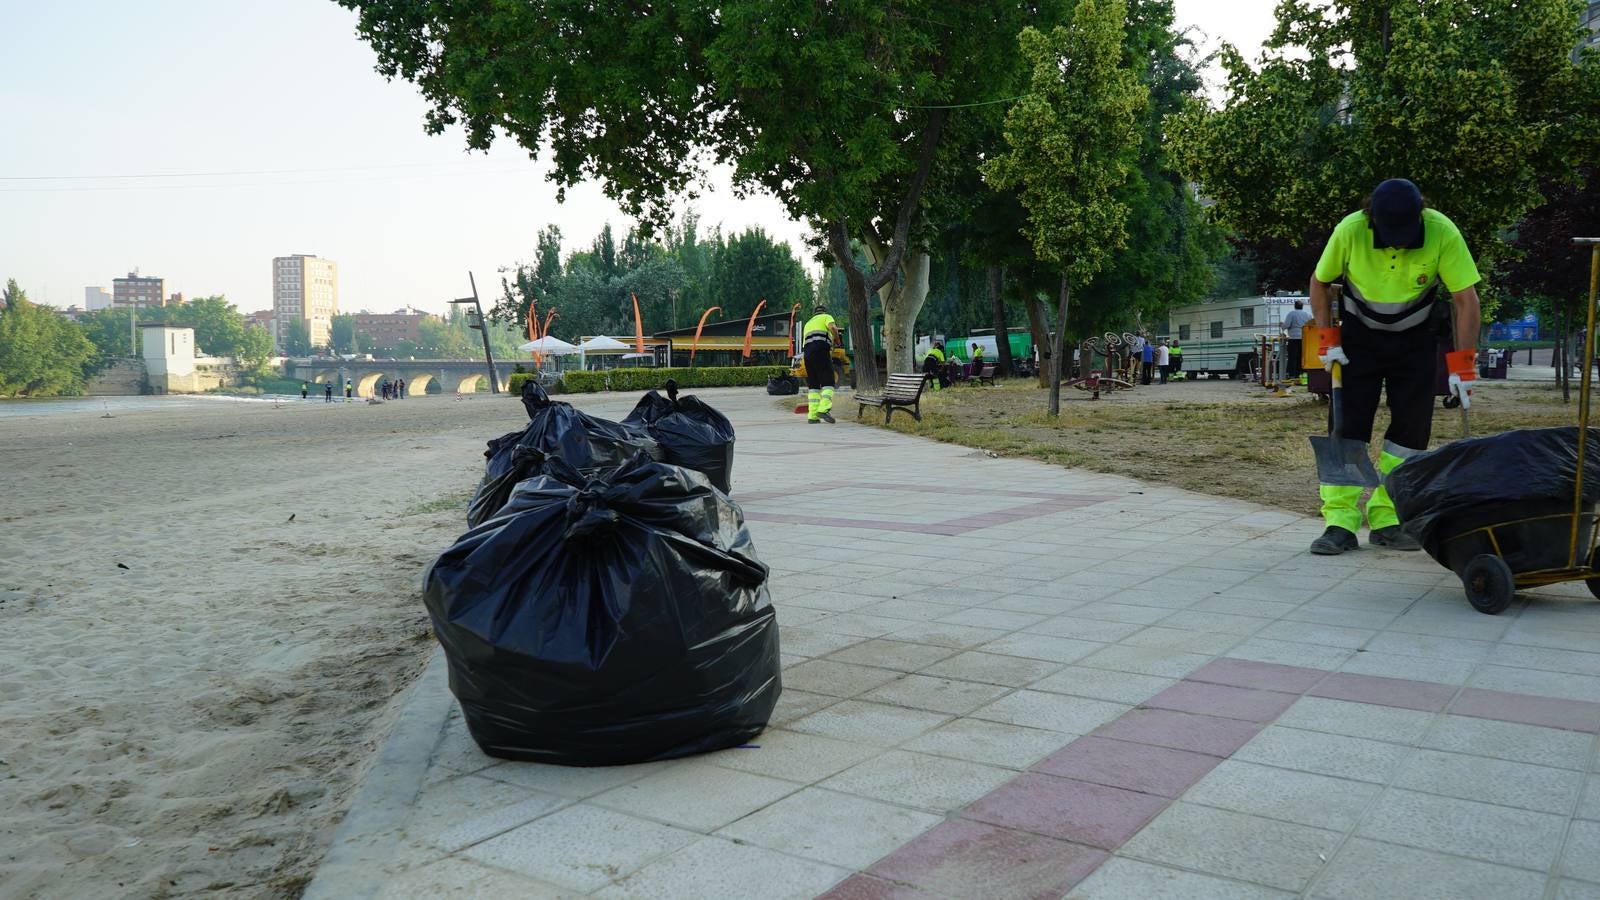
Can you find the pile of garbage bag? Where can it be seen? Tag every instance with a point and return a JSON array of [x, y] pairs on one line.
[[1512, 481], [690, 432], [606, 617], [555, 430]]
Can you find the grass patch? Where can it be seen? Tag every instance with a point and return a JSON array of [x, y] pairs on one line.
[[449, 500], [1216, 437]]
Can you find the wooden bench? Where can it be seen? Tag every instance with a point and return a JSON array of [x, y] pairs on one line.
[[984, 375], [903, 392]]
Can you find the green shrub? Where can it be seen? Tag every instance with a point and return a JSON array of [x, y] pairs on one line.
[[516, 381], [711, 376], [584, 382]]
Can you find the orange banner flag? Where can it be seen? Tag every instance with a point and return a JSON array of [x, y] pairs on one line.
[[703, 316], [638, 326], [750, 328]]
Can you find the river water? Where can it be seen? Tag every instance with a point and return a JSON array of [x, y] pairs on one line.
[[83, 406]]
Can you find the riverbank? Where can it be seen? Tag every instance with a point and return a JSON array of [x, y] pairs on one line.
[[206, 608]]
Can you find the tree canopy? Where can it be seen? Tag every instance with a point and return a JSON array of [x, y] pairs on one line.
[[1477, 101], [675, 280], [1072, 143], [42, 354]]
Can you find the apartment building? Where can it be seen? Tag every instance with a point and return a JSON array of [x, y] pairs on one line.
[[138, 291], [305, 289]]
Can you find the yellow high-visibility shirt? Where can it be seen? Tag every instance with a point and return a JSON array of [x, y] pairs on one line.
[[817, 326], [1392, 288]]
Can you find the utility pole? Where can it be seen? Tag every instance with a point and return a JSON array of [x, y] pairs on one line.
[[478, 323]]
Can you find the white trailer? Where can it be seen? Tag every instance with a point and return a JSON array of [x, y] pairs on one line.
[[1220, 338]]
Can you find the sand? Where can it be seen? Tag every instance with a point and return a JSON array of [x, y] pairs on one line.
[[195, 722]]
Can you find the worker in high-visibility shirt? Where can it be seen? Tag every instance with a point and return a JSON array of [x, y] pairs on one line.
[[1398, 261], [933, 366], [818, 338]]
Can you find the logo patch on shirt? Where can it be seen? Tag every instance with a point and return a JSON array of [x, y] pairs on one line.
[[1422, 279]]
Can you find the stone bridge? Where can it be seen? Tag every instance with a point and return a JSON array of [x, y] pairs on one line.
[[449, 375]]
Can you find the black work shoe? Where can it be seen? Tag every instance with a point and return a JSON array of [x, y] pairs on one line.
[[1334, 541], [813, 421], [1393, 538], [828, 417]]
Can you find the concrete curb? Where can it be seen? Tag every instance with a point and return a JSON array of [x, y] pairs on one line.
[[366, 840]]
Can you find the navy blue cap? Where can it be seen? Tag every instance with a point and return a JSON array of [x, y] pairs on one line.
[[1397, 214]]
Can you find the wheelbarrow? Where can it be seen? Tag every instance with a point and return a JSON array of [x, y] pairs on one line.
[[1549, 542]]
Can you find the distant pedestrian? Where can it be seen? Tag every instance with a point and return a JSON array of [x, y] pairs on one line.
[[349, 390], [400, 387], [1294, 323], [304, 389], [1163, 360], [327, 392], [1147, 361]]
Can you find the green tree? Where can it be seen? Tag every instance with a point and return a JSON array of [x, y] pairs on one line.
[[1476, 101], [109, 331], [1167, 258], [254, 350], [41, 353], [846, 126], [342, 335], [751, 267], [218, 325], [295, 339], [1073, 140]]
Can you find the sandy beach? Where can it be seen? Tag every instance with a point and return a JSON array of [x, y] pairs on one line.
[[206, 611]]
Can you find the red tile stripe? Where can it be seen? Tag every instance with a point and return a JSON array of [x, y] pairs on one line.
[[1043, 832]]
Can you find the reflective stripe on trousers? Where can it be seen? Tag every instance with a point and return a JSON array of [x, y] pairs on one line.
[[1340, 504]]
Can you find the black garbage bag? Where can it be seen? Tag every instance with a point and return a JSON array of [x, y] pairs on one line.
[[1496, 480], [783, 385], [555, 430], [615, 618], [691, 433]]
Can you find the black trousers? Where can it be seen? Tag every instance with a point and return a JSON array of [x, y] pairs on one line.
[[1400, 364], [1144, 372], [819, 365], [1294, 350]]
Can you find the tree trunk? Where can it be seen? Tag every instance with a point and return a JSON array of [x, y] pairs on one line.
[[1041, 337], [1061, 369], [863, 359], [997, 306], [900, 311]]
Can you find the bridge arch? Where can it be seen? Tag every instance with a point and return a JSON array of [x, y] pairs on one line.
[[417, 383]]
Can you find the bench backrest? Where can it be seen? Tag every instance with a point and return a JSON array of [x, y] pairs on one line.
[[988, 372], [904, 386]]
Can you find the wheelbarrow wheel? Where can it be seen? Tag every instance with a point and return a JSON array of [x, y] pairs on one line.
[[1489, 584], [1594, 583]]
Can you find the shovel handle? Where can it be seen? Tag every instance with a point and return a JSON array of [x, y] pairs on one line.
[[1336, 416]]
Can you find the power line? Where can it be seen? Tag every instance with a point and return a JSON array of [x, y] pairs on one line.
[[190, 187], [238, 172]]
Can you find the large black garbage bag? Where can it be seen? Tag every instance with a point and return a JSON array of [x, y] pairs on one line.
[[555, 430], [691, 433], [1495, 480], [612, 619]]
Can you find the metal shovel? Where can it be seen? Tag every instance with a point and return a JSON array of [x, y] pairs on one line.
[[1341, 461]]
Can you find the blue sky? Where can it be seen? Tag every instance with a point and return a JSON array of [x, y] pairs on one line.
[[247, 86]]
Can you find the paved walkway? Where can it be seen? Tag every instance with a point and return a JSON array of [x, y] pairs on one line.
[[1010, 680]]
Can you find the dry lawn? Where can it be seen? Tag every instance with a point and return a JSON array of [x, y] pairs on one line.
[[1217, 437]]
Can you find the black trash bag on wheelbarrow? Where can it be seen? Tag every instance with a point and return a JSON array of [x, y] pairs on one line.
[[1511, 481], [614, 618], [555, 430], [691, 433]]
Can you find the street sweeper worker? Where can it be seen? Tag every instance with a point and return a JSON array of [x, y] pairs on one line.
[[819, 336], [1395, 258]]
